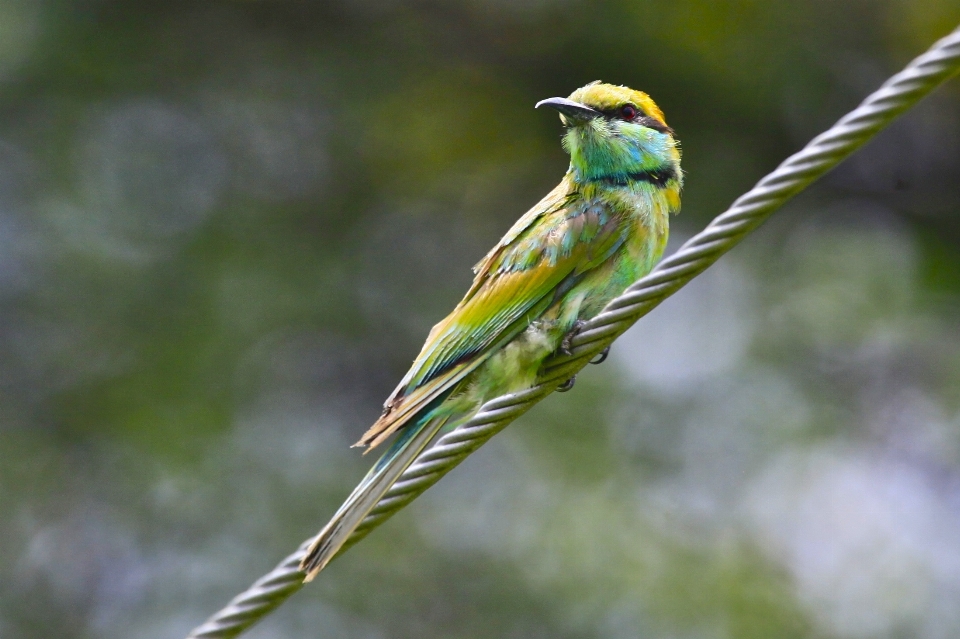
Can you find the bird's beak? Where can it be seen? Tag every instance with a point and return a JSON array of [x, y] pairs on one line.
[[572, 112]]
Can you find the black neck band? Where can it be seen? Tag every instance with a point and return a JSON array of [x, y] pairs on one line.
[[657, 177]]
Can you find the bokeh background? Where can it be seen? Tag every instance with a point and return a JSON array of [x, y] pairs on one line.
[[226, 228]]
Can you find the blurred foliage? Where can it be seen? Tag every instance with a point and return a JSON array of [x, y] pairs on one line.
[[226, 228]]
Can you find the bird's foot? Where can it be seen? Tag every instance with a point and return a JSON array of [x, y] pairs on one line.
[[566, 344], [602, 357], [567, 385]]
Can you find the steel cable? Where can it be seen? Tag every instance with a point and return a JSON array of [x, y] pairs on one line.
[[825, 151]]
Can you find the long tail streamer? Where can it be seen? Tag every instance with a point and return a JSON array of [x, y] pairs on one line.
[[894, 97]]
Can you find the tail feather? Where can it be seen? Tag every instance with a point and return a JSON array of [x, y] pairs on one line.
[[366, 495]]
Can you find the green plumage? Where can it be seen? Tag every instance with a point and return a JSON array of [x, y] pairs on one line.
[[602, 228]]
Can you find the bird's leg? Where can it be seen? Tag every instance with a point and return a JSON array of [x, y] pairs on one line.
[[602, 356], [567, 385], [565, 343]]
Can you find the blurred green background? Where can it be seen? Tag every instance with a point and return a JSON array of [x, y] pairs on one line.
[[226, 228]]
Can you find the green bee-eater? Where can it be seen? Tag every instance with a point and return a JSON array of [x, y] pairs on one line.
[[602, 228]]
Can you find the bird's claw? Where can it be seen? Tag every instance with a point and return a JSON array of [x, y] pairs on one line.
[[565, 345], [602, 356], [567, 385]]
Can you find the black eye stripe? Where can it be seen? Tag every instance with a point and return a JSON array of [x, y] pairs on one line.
[[617, 114], [655, 124], [641, 118]]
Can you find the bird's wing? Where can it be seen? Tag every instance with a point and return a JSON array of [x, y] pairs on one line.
[[540, 257]]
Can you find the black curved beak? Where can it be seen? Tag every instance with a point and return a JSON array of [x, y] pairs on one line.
[[571, 111]]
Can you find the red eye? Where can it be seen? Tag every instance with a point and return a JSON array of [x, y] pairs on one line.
[[628, 112]]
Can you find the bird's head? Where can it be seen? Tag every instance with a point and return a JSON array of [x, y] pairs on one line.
[[613, 132]]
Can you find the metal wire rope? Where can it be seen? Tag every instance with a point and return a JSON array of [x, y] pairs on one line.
[[825, 151]]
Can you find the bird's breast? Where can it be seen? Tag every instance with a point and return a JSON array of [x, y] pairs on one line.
[[647, 211], [644, 218]]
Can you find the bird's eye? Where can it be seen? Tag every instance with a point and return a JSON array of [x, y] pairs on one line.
[[628, 112]]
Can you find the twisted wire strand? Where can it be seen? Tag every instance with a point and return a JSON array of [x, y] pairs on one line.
[[821, 154]]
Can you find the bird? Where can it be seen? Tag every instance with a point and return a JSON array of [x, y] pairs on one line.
[[604, 226]]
